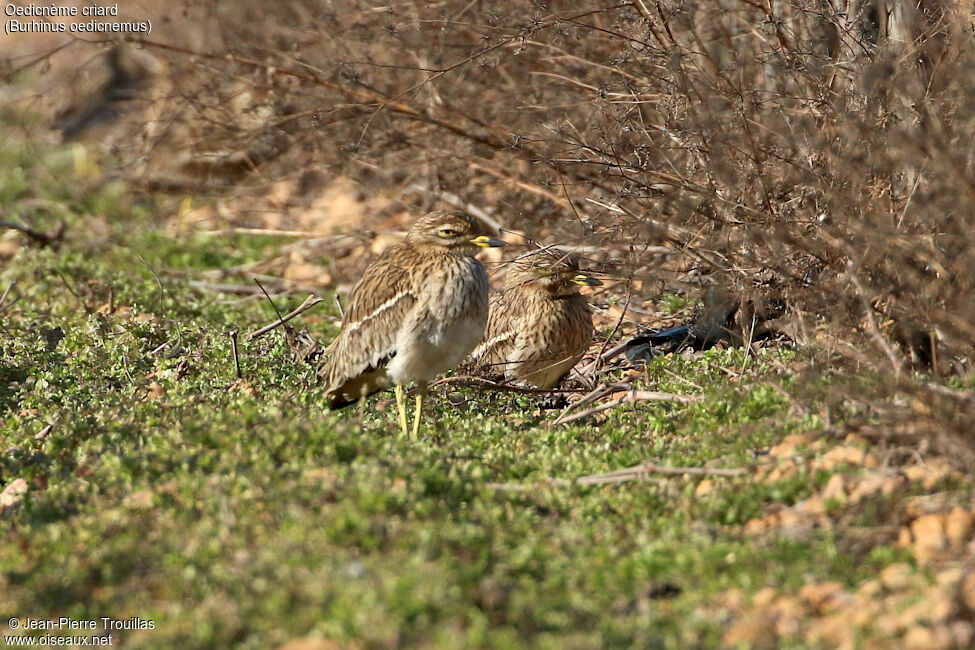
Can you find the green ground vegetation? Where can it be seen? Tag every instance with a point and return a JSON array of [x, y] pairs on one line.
[[244, 513]]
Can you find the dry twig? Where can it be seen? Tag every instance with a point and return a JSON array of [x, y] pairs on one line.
[[631, 397], [309, 302], [639, 472], [481, 382]]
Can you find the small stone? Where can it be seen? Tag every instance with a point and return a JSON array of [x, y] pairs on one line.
[[835, 630], [822, 594], [928, 474], [869, 590], [928, 532], [732, 600], [847, 455], [787, 448], [781, 472], [865, 613], [962, 633], [958, 527], [834, 489], [309, 643], [949, 578], [764, 597], [8, 247], [12, 495], [320, 475], [755, 527], [244, 387], [935, 607], [305, 272], [811, 506], [704, 488], [891, 484], [897, 577], [139, 500], [928, 638], [154, 391], [966, 591], [869, 485], [904, 537], [756, 631]]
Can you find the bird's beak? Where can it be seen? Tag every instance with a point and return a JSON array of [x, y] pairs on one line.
[[584, 280], [487, 242]]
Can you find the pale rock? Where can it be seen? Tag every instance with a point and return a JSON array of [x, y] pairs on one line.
[[811, 506], [928, 638], [821, 595], [732, 600], [869, 591], [834, 489], [958, 527], [891, 484], [155, 391], [322, 475], [310, 643], [904, 537], [835, 631], [949, 577], [865, 613], [928, 474], [962, 633], [934, 608], [756, 631], [928, 533], [139, 500], [755, 527], [306, 273], [847, 455], [764, 597], [787, 447], [869, 485], [966, 591], [897, 577], [12, 495]]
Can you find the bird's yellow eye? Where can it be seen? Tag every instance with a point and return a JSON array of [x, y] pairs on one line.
[[449, 233]]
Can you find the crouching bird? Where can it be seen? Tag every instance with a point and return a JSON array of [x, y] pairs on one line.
[[540, 326], [418, 310]]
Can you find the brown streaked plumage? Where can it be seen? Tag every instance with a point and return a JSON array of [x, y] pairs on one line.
[[418, 310], [540, 326]]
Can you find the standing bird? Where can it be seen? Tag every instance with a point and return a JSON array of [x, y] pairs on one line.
[[540, 326], [417, 311]]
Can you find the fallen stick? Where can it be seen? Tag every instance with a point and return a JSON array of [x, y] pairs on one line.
[[588, 398], [633, 397], [3, 298], [649, 467], [481, 382], [310, 302], [634, 473]]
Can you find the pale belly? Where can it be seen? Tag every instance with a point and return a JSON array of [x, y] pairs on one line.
[[426, 353], [447, 325]]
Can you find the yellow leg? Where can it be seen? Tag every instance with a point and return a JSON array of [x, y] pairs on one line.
[[401, 408], [416, 414]]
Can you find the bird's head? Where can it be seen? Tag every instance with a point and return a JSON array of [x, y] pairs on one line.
[[550, 269], [454, 231]]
